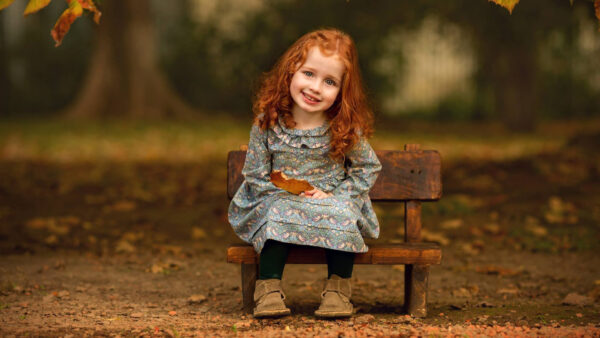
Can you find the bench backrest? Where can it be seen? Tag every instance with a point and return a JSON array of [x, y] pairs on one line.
[[405, 175], [411, 176]]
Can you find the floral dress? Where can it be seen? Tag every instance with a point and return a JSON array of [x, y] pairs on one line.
[[260, 211]]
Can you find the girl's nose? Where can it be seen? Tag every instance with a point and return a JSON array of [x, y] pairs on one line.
[[315, 86]]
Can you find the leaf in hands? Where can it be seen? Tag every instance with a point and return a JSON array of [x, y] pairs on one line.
[[66, 19], [508, 4], [291, 185], [35, 5], [5, 3]]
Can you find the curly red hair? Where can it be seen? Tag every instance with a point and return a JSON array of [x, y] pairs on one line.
[[348, 116]]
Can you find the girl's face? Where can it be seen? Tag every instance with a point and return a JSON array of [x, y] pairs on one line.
[[316, 84]]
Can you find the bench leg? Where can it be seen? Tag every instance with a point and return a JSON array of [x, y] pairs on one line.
[[249, 275], [415, 289]]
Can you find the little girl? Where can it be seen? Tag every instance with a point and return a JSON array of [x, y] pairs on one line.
[[311, 122]]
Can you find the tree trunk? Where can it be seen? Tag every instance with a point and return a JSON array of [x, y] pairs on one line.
[[4, 84], [123, 76], [516, 89]]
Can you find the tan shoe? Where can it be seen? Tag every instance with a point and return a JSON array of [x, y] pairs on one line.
[[335, 298], [269, 297]]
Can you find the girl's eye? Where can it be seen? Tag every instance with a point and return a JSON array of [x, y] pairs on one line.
[[330, 82], [308, 73]]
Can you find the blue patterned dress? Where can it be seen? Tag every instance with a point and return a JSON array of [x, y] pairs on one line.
[[260, 211]]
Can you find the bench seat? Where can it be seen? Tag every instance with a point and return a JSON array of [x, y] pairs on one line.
[[400, 253]]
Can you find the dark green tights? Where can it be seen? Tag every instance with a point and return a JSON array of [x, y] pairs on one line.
[[274, 254]]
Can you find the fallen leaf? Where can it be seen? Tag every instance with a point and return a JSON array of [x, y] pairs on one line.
[[512, 291], [291, 185], [434, 237], [492, 228], [124, 247], [123, 206], [364, 319], [196, 299], [532, 225], [557, 211], [452, 224], [574, 298], [198, 233], [496, 270]]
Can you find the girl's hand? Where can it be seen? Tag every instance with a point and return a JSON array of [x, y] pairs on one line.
[[316, 193]]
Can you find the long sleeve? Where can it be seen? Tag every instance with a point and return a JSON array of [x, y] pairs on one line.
[[362, 171], [257, 166]]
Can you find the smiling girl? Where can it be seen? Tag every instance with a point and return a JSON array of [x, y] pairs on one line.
[[311, 122]]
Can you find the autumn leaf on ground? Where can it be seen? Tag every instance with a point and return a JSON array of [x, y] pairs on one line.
[[291, 185], [496, 270], [35, 5], [508, 4]]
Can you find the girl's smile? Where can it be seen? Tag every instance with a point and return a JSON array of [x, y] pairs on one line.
[[315, 87]]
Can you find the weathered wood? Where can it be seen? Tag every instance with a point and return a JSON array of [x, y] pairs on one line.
[[249, 276], [235, 164], [405, 175], [412, 221], [402, 253], [415, 289], [411, 176]]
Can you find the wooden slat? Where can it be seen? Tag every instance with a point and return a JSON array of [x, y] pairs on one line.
[[405, 175], [403, 253]]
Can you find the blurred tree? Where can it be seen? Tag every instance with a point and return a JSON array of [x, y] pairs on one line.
[[123, 77], [508, 48], [4, 81]]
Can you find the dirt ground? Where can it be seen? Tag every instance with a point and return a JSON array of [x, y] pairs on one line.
[[138, 249]]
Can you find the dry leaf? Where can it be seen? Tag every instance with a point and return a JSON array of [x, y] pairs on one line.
[[63, 24], [577, 299], [5, 3], [508, 4], [198, 233], [196, 299], [436, 237], [124, 247], [452, 224], [35, 5], [291, 185], [496, 270]]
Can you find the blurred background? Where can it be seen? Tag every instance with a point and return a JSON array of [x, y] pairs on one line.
[[468, 60], [120, 134]]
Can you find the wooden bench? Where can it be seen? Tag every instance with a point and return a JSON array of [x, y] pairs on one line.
[[410, 177]]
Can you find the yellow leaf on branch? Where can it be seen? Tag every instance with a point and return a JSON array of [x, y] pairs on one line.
[[89, 5], [508, 4], [35, 5], [66, 19], [5, 3]]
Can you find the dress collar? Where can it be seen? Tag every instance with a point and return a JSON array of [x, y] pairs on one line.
[[317, 131]]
